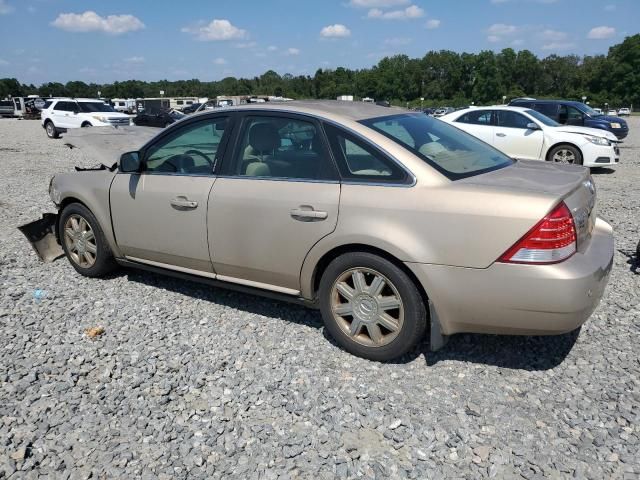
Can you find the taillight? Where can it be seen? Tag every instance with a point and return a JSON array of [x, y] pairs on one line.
[[552, 240]]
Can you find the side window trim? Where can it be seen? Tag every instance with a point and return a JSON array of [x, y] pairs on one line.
[[410, 179]]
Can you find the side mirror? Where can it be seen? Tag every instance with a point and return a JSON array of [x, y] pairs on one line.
[[533, 126], [76, 112], [130, 162]]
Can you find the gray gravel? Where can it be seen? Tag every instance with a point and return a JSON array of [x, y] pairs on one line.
[[193, 382]]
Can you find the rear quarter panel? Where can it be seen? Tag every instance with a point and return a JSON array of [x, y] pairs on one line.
[[455, 224]]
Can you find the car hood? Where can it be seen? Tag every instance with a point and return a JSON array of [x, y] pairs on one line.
[[596, 132], [610, 118], [106, 144]]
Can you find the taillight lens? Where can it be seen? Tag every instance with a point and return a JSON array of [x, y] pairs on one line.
[[552, 240]]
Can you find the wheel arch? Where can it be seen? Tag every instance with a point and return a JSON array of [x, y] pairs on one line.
[[335, 252], [86, 123], [560, 144]]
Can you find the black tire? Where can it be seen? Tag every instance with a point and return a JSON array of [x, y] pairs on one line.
[[567, 148], [638, 252], [50, 128], [86, 125], [415, 319], [104, 260]]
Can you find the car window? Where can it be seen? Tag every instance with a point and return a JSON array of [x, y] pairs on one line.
[[506, 118], [282, 147], [481, 117], [548, 109], [65, 106], [449, 150], [360, 161], [191, 149], [574, 114]]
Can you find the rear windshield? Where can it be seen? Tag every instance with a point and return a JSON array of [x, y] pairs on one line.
[[451, 151], [89, 107]]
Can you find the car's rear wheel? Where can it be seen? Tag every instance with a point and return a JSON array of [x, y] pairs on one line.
[[371, 307], [84, 243], [565, 154], [51, 130]]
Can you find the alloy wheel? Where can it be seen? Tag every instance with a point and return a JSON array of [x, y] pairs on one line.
[[80, 241], [564, 156], [367, 307]]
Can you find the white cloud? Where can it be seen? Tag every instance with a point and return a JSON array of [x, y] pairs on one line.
[[501, 29], [610, 8], [90, 21], [217, 29], [558, 46], [272, 48], [246, 45], [432, 24], [220, 61], [335, 31], [494, 38], [134, 59], [496, 2], [3, 63], [549, 35], [377, 3], [5, 8], [412, 11], [293, 51], [599, 33]]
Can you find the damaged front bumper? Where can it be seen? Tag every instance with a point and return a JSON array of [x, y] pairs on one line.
[[43, 237]]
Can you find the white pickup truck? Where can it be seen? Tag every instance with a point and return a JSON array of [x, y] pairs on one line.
[[65, 113]]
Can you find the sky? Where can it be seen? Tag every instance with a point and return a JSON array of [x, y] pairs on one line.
[[103, 41]]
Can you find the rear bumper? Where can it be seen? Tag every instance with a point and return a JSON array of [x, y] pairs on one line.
[[521, 299]]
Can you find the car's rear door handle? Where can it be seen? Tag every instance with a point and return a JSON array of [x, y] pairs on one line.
[[499, 134], [307, 214], [184, 202]]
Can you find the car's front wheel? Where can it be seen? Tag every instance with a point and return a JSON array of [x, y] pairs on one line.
[[371, 307], [565, 154], [51, 130], [84, 243]]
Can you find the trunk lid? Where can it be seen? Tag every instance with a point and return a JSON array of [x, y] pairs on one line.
[[568, 183]]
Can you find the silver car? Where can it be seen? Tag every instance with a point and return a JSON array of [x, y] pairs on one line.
[[390, 222]]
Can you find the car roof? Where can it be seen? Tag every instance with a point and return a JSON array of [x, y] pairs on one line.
[[490, 107], [69, 99], [350, 110], [535, 100]]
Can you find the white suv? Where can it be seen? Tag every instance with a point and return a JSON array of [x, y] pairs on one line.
[[65, 113]]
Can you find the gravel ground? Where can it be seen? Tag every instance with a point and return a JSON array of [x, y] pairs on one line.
[[193, 382]]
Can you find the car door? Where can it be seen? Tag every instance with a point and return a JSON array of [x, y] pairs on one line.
[[61, 114], [478, 123], [160, 215], [277, 196], [513, 137]]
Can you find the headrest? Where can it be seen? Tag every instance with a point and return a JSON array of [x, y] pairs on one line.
[[264, 137]]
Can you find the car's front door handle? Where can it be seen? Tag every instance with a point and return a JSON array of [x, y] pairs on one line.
[[184, 202], [501, 134], [308, 214]]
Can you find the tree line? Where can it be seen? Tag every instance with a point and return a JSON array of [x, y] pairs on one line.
[[440, 77]]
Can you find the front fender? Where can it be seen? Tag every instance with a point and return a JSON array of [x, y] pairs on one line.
[[90, 188]]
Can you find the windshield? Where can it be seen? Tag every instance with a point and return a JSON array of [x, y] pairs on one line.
[[451, 151], [584, 108], [542, 118], [89, 107]]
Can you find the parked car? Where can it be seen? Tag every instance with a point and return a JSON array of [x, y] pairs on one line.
[[624, 112], [191, 108], [64, 113], [612, 113], [160, 118], [434, 228], [598, 111], [443, 111], [6, 108], [575, 113], [527, 134]]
